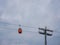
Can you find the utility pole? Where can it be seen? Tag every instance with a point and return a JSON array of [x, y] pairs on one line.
[[45, 33]]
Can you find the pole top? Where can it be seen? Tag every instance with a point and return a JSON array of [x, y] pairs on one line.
[[45, 29]]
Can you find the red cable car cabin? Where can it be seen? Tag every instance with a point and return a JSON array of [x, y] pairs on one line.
[[19, 30]]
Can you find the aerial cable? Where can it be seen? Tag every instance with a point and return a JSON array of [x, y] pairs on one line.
[[29, 27]]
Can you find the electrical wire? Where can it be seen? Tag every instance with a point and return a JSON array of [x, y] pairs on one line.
[[28, 27]]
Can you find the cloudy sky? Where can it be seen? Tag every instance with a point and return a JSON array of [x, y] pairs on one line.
[[32, 13]]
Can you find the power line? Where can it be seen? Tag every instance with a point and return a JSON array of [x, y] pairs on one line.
[[32, 27]]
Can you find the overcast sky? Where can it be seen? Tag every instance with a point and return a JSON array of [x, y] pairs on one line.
[[33, 13]]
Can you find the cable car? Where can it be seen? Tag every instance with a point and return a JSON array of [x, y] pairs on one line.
[[19, 30]]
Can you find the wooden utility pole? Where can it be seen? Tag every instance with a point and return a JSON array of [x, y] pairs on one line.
[[45, 33]]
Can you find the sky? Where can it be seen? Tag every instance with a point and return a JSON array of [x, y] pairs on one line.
[[32, 13]]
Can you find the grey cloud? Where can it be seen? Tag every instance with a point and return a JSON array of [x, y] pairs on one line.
[[32, 13]]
